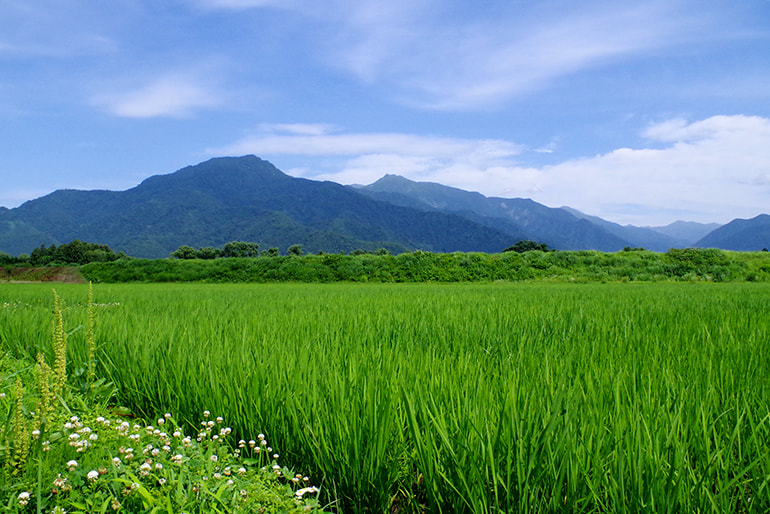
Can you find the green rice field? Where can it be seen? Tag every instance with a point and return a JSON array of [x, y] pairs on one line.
[[483, 398]]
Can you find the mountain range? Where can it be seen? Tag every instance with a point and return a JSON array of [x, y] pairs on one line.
[[248, 199]]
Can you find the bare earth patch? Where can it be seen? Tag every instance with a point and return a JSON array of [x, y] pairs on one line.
[[66, 274]]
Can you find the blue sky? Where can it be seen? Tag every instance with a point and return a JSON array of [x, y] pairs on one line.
[[638, 112]]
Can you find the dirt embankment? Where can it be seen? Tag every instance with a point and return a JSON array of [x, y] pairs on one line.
[[59, 274]]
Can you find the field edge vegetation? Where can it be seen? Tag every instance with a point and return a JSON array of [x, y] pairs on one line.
[[689, 264]]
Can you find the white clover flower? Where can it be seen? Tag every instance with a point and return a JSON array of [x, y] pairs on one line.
[[23, 498], [214, 458], [217, 475], [275, 455], [72, 464], [161, 421], [167, 415], [93, 437], [93, 475], [177, 434], [161, 481], [220, 419], [206, 414], [100, 419], [177, 458], [158, 465], [116, 461], [36, 434]]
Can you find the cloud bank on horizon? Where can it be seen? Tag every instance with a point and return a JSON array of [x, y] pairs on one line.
[[639, 113]]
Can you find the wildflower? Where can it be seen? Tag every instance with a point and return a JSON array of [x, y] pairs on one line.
[[241, 471], [161, 421], [177, 458], [177, 434], [23, 498], [58, 510], [275, 455], [59, 481], [306, 490], [252, 443], [115, 504], [167, 415], [206, 414], [158, 465], [36, 434], [100, 419], [46, 446], [116, 461], [93, 437], [161, 481], [92, 475], [72, 464], [214, 458], [220, 419]]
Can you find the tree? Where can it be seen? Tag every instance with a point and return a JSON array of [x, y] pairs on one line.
[[526, 245], [208, 253], [271, 252], [240, 249], [294, 250], [185, 252]]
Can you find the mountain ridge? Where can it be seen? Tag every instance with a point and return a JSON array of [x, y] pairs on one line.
[[225, 199]]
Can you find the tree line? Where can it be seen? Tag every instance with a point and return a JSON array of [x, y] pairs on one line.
[[74, 253], [246, 249]]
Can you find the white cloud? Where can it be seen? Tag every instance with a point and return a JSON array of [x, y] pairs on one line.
[[712, 170], [305, 129], [170, 95], [438, 61]]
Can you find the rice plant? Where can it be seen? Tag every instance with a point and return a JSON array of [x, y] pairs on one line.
[[453, 398]]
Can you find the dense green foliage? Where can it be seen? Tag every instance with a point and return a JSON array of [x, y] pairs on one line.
[[457, 397], [76, 252], [583, 266]]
